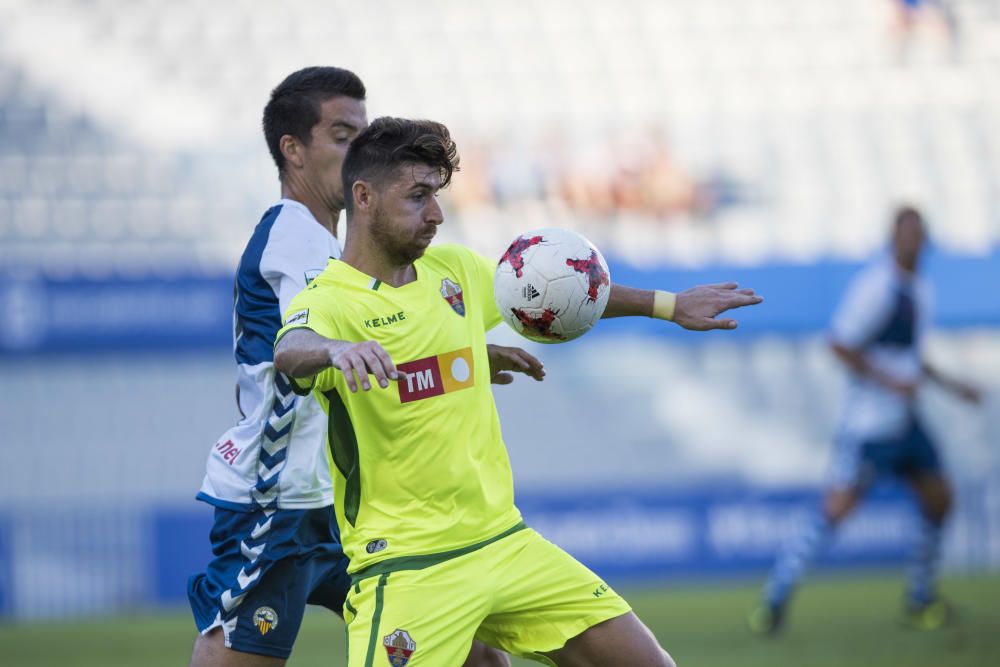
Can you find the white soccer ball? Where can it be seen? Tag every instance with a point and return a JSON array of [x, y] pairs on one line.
[[551, 285]]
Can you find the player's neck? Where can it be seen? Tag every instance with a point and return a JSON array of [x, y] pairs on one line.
[[367, 257], [325, 215], [907, 268]]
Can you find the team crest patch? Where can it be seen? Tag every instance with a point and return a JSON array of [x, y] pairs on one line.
[[452, 293], [266, 619], [399, 646]]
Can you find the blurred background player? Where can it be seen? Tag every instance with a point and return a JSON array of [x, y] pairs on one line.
[[877, 334], [275, 537]]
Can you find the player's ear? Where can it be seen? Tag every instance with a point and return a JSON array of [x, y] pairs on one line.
[[363, 194], [291, 148]]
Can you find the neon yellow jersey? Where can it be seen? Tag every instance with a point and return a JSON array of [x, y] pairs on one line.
[[420, 467]]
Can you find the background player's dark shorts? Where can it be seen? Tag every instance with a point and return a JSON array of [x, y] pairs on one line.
[[903, 456], [299, 559]]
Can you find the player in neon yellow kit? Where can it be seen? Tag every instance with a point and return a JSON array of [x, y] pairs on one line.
[[439, 553]]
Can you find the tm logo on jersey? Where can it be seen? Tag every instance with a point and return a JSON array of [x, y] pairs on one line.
[[433, 376]]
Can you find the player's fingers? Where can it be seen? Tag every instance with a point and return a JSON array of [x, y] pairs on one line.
[[515, 361], [502, 378], [535, 368], [746, 290], [729, 285], [738, 300], [709, 324], [391, 371], [348, 372], [528, 362], [358, 366], [374, 364]]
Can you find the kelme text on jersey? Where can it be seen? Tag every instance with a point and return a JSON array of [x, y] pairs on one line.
[[385, 321]]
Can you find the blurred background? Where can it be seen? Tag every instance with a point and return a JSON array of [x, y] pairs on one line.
[[763, 141]]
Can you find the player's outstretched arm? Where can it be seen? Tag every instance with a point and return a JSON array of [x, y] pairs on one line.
[[694, 309], [506, 359], [856, 361], [961, 389], [302, 353]]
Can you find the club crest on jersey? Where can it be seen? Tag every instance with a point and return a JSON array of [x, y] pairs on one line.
[[452, 293], [266, 619], [399, 646]]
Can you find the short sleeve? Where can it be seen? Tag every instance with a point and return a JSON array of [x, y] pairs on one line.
[[485, 270], [862, 310], [281, 265], [310, 309]]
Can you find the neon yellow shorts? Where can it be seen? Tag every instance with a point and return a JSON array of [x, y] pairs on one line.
[[519, 593]]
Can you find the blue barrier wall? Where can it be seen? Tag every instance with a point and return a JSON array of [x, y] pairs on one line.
[[629, 534], [185, 311]]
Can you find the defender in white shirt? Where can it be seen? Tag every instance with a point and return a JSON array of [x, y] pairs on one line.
[[275, 540], [877, 333]]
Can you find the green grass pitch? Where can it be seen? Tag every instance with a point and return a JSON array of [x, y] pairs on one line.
[[837, 620]]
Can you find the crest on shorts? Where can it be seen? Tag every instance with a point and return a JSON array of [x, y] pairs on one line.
[[452, 293], [399, 646], [266, 619]]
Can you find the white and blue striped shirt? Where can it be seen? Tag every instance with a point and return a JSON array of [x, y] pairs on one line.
[[275, 456]]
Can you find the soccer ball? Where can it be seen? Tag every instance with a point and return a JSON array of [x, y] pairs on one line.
[[551, 285]]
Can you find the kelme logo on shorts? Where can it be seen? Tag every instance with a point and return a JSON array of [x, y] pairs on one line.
[[433, 376], [399, 646], [266, 619], [375, 546]]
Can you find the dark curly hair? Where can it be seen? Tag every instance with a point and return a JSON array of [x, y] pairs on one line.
[[389, 142]]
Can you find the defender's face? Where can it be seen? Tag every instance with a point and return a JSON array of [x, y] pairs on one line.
[[407, 213], [341, 120]]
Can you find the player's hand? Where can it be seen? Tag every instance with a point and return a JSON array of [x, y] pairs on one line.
[[357, 360], [504, 359], [697, 307]]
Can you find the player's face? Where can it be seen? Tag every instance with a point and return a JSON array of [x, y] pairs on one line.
[[341, 119], [407, 212], [909, 242]]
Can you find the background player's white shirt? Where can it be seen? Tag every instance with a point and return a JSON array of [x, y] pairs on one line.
[[276, 455], [884, 314]]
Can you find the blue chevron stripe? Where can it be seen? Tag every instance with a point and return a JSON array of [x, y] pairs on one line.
[[265, 485], [272, 460], [273, 435], [273, 505], [284, 387], [279, 409]]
